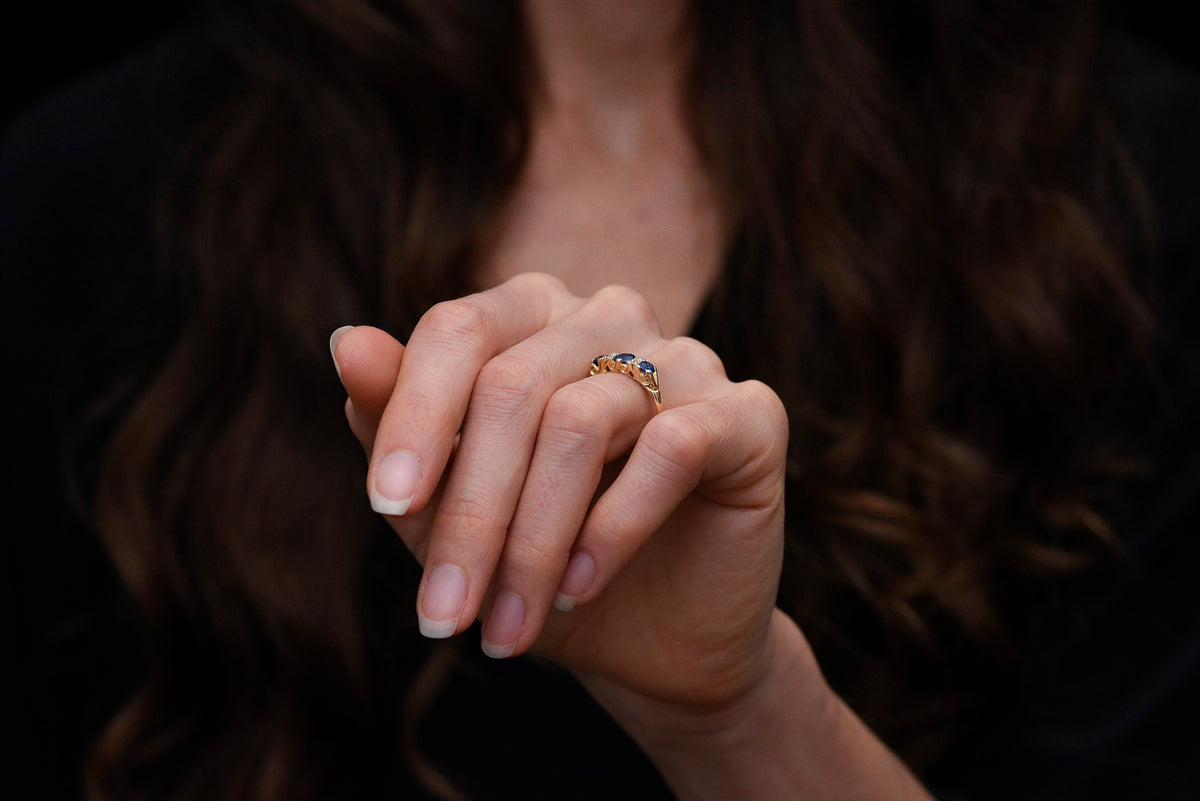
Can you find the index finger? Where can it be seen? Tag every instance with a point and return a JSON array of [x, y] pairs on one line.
[[445, 353]]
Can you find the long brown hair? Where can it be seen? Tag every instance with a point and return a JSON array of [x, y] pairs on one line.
[[925, 263]]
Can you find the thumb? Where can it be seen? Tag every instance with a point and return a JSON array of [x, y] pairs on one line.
[[367, 360]]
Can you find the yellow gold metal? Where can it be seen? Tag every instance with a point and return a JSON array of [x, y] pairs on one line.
[[633, 366]]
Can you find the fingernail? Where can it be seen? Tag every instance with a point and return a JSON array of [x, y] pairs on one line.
[[442, 600], [504, 625], [395, 483], [333, 340], [578, 576]]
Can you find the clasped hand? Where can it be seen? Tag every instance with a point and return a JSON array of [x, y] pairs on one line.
[[641, 549]]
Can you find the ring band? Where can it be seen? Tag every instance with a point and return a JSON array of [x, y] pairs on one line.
[[635, 367]]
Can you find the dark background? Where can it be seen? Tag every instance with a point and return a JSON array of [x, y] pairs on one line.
[[57, 41]]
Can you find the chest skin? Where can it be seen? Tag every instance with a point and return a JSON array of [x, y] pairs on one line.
[[630, 206]]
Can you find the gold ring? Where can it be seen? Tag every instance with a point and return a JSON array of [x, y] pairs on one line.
[[635, 367]]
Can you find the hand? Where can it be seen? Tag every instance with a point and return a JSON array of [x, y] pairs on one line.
[[523, 485]]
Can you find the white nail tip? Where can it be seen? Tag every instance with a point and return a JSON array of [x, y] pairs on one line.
[[385, 506], [436, 629], [498, 651], [333, 341], [335, 336], [565, 603]]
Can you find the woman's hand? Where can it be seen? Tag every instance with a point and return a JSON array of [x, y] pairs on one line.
[[522, 485], [642, 551]]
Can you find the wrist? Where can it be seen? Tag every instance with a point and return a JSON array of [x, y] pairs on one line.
[[787, 669], [702, 748], [788, 735]]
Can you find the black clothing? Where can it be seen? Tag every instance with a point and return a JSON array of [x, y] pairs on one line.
[[1109, 705]]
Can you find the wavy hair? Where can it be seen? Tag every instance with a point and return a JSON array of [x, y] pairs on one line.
[[926, 262]]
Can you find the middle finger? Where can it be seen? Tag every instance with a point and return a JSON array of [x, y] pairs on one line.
[[499, 431]]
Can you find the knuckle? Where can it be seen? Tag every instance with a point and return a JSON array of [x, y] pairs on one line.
[[507, 380], [457, 321], [470, 514], [526, 559], [698, 356], [631, 303], [577, 414], [677, 444], [538, 283], [764, 406]]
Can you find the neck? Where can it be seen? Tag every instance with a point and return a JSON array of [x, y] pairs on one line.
[[609, 64]]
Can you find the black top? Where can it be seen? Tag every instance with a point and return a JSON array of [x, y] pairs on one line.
[[1109, 706]]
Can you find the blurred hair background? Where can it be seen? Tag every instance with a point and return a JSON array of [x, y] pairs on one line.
[[59, 40]]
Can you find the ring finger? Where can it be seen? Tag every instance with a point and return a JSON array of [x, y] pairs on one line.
[[497, 440], [586, 425]]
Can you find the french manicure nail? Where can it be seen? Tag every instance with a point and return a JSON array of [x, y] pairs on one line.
[[395, 483], [503, 626], [580, 572], [333, 340], [442, 600]]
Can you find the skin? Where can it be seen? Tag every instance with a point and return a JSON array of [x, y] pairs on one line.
[[642, 551], [613, 190]]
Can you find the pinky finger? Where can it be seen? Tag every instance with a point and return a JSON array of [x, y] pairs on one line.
[[665, 466]]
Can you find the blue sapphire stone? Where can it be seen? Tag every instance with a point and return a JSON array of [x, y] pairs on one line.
[[646, 367], [624, 358], [596, 362]]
